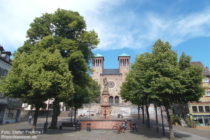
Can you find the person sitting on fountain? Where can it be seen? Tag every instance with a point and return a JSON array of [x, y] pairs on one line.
[[124, 126]]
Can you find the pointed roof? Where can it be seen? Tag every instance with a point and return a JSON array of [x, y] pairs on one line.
[[98, 55], [124, 54]]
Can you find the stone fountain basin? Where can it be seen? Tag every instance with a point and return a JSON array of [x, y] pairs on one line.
[[103, 124]]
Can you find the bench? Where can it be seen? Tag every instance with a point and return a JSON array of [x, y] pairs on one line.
[[70, 124]]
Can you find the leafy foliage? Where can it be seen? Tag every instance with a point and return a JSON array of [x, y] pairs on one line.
[[159, 78], [37, 75], [65, 31]]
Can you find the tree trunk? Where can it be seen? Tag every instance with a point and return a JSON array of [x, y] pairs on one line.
[[171, 132], [156, 117], [148, 118], [142, 107], [138, 112], [35, 118], [75, 114], [163, 128], [56, 112], [182, 111]]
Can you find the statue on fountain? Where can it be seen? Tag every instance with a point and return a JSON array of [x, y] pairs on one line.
[[105, 82]]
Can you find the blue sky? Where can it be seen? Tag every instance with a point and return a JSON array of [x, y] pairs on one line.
[[130, 26]]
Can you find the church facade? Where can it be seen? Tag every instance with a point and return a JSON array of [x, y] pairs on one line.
[[115, 78]]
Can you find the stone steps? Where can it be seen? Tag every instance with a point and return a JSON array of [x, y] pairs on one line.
[[65, 114]]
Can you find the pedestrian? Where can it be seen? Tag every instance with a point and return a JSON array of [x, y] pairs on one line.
[[78, 125], [124, 126], [29, 119], [134, 127]]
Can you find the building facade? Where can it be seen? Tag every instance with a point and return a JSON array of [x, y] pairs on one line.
[[115, 78], [10, 108], [200, 111]]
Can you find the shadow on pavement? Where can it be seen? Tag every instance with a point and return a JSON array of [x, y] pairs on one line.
[[142, 131], [151, 132]]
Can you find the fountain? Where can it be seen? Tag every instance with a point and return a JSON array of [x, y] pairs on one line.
[[105, 121]]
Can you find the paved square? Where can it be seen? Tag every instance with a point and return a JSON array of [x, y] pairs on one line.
[[143, 133]]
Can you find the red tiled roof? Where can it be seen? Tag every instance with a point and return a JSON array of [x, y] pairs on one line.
[[197, 63]]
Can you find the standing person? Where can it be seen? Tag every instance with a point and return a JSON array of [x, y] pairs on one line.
[[30, 119], [126, 124], [78, 125]]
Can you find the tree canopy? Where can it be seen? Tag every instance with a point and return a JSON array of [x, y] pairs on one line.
[[160, 78], [66, 31], [38, 76], [62, 32]]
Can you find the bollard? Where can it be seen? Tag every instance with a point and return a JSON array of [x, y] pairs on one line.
[[88, 126]]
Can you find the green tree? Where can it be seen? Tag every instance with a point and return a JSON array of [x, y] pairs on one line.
[[137, 87], [159, 78], [191, 79], [172, 84], [36, 77], [166, 85], [129, 92], [82, 95], [66, 31]]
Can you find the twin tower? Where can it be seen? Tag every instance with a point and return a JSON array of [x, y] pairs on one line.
[[115, 77]]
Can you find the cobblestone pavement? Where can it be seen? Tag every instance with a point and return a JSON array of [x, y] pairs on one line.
[[69, 134], [195, 131]]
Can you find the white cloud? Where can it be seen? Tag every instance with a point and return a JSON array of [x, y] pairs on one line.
[[152, 26], [116, 30], [16, 15], [176, 29]]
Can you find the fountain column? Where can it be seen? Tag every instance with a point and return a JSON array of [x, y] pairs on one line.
[[105, 106]]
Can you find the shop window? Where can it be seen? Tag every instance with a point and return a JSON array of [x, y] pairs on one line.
[[200, 121], [207, 109], [208, 93], [200, 109], [194, 108], [207, 121]]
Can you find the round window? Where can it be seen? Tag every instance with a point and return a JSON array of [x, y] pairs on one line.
[[111, 84]]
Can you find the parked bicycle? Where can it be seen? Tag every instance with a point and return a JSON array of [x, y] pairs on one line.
[[119, 128]]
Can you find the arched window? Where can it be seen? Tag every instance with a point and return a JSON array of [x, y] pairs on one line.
[[110, 100], [117, 99]]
